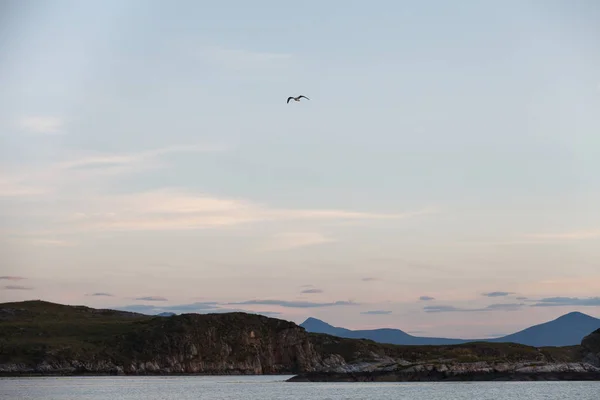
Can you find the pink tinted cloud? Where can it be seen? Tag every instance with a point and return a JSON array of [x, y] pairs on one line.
[[11, 278]]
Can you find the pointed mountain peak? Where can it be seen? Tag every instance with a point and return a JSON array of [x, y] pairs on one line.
[[315, 322], [575, 315]]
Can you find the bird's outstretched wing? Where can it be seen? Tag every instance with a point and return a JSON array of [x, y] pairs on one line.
[[289, 98], [304, 97]]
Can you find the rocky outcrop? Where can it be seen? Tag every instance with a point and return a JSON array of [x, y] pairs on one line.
[[477, 371], [365, 361], [63, 367], [234, 343], [220, 344], [591, 348]]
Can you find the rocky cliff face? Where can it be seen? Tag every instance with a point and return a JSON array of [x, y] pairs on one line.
[[591, 348], [235, 343], [216, 344]]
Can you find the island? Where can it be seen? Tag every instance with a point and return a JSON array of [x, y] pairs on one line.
[[43, 338]]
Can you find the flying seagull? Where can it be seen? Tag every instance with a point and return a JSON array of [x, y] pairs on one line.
[[297, 98]]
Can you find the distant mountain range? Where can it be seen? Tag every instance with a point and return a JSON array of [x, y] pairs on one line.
[[165, 314], [567, 330]]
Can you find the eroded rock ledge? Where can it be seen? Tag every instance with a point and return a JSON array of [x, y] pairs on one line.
[[477, 371], [583, 363]]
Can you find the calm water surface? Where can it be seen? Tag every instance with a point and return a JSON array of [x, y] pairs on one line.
[[271, 388]]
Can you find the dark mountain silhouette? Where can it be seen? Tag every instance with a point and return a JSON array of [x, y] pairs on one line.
[[567, 330], [384, 335], [165, 314]]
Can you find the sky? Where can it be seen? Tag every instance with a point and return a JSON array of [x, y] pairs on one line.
[[442, 179]]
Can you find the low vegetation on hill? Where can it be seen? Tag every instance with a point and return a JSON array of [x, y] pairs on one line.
[[466, 352], [31, 331], [36, 332], [43, 337]]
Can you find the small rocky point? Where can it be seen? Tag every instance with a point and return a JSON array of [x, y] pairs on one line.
[[577, 363]]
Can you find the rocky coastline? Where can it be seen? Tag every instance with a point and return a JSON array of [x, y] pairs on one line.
[[582, 364], [40, 338], [458, 372]]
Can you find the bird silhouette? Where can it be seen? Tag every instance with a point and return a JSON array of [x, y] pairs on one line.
[[296, 98]]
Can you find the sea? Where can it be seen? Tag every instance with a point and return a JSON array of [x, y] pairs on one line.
[[275, 388]]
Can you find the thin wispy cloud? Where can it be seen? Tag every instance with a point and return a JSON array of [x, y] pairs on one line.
[[573, 235], [295, 304], [140, 308], [69, 174], [100, 294], [177, 209], [17, 287], [495, 335], [11, 278], [497, 294], [191, 308], [110, 160], [504, 307], [38, 241], [376, 312], [295, 240], [567, 301], [312, 291], [199, 307], [51, 242], [163, 209], [514, 242], [491, 307], [41, 124], [369, 279], [151, 298], [426, 298], [434, 309], [521, 298], [13, 187]]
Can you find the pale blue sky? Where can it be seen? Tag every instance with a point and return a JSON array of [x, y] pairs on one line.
[[447, 150]]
